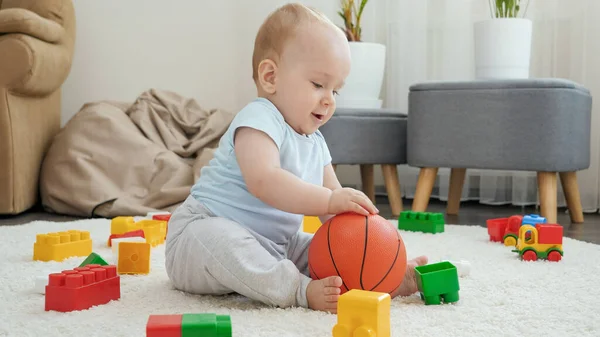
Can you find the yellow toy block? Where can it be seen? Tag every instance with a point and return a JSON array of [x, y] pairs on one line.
[[123, 224], [310, 224], [134, 258], [363, 313], [62, 245], [154, 231]]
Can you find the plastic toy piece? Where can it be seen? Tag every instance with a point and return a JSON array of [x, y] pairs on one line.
[[426, 222], [463, 267], [505, 230], [162, 217], [209, 325], [533, 219], [155, 231], [134, 233], [188, 325], [134, 258], [94, 258], [544, 241], [164, 326], [311, 224], [115, 246], [82, 288], [122, 225], [363, 313], [437, 282], [62, 245]]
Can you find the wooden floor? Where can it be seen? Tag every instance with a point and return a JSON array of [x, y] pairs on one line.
[[471, 214]]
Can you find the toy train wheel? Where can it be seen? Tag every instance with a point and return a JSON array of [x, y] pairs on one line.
[[529, 255], [510, 241], [554, 256]]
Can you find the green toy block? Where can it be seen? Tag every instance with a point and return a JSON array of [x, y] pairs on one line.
[[437, 282], [421, 222], [206, 325], [93, 258]]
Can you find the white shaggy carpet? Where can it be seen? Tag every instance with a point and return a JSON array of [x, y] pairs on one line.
[[502, 296]]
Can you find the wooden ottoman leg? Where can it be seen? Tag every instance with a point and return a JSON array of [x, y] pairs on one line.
[[392, 186], [367, 176], [571, 191], [424, 186], [547, 194], [457, 180]]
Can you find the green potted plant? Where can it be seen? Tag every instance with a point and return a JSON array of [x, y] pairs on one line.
[[363, 85], [503, 42]]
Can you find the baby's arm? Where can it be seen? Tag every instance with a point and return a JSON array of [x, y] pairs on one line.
[[331, 182], [258, 158]]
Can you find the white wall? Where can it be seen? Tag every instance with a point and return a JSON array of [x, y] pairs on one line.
[[197, 48]]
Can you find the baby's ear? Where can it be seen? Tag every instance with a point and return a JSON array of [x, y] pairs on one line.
[[267, 73]]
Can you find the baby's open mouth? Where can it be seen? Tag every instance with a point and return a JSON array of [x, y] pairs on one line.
[[318, 116]]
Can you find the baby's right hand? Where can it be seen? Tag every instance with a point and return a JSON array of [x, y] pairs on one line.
[[350, 200]]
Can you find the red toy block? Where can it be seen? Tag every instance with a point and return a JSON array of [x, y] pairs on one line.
[[164, 326], [82, 288], [162, 217], [496, 228], [131, 234], [550, 234]]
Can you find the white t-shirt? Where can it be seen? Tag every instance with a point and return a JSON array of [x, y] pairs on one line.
[[221, 187]]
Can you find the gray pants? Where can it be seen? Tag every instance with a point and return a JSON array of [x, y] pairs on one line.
[[212, 255]]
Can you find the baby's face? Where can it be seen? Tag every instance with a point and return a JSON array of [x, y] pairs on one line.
[[312, 68]]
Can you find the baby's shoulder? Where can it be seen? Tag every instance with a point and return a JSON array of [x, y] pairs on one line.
[[260, 109]]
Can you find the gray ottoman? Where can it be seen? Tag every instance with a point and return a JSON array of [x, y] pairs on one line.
[[368, 137], [540, 125]]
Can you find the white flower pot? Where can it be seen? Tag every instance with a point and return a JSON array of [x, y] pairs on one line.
[[363, 84], [502, 48]]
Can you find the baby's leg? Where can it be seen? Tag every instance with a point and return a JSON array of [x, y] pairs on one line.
[[409, 284], [214, 255], [321, 294]]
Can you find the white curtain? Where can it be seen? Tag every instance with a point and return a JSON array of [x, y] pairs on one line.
[[433, 40]]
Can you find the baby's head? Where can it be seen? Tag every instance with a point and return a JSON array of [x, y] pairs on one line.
[[300, 61]]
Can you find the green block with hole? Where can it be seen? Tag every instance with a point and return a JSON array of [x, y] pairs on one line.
[[93, 258], [205, 325], [438, 282], [425, 222]]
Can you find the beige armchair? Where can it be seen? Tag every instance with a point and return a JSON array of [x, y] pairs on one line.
[[36, 49]]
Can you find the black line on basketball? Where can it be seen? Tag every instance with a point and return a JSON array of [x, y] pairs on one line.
[[311, 270], [331, 254], [392, 266], [362, 266]]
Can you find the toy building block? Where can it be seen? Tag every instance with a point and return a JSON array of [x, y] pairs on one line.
[[93, 258], [209, 325], [115, 246], [155, 231], [533, 219], [162, 217], [363, 313], [82, 288], [134, 258], [122, 225], [134, 233], [62, 245], [189, 325], [426, 222], [438, 281], [310, 224]]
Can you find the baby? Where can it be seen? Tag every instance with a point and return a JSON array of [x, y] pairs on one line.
[[239, 230]]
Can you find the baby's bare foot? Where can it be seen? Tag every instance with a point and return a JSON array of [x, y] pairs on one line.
[[323, 294], [409, 284]]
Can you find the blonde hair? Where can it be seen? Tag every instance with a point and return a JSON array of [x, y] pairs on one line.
[[281, 25]]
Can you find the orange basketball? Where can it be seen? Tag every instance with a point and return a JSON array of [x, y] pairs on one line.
[[367, 252]]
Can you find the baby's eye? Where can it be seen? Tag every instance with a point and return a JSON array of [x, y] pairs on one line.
[[317, 85], [335, 93]]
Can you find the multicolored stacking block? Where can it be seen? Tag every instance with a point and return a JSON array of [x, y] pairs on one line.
[[189, 325], [62, 245], [421, 222], [82, 288]]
